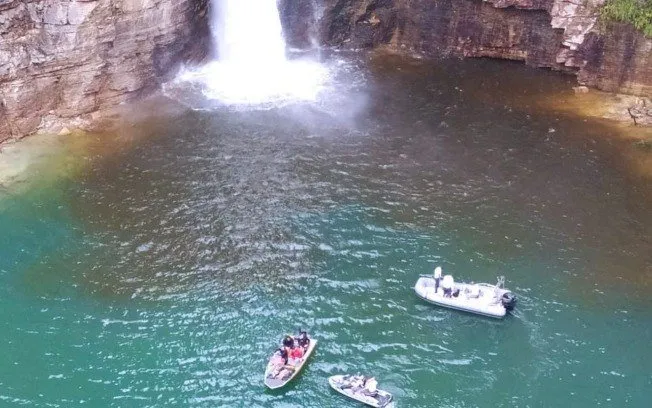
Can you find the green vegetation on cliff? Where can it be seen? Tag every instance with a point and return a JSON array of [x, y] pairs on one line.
[[636, 12]]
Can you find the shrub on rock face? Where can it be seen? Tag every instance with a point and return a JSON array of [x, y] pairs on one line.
[[636, 12]]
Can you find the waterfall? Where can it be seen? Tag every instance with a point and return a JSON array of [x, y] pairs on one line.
[[251, 67], [247, 32]]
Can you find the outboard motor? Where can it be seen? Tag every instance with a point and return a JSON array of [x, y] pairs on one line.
[[509, 300]]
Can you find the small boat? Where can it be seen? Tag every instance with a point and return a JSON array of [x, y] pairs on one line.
[[353, 387], [278, 373], [480, 298]]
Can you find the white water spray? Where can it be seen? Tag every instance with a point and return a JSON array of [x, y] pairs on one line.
[[248, 31], [252, 67]]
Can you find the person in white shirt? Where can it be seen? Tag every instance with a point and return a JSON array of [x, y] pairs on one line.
[[448, 284], [371, 386], [437, 277]]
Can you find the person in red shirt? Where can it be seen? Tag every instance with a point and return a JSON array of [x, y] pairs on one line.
[[296, 353]]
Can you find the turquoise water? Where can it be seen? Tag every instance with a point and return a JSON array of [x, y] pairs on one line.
[[165, 274]]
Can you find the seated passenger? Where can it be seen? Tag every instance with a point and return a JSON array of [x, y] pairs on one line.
[[371, 386], [447, 284], [356, 383], [296, 353], [288, 341], [279, 361], [283, 354], [303, 340], [285, 373]]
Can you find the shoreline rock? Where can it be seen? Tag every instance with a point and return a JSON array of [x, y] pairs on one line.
[[70, 60], [66, 63], [563, 35]]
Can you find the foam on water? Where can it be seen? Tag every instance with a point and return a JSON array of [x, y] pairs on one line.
[[262, 84]]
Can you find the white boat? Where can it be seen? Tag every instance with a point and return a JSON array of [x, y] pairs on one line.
[[352, 387], [278, 374], [480, 298]]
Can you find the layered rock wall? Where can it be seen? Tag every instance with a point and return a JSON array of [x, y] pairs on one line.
[[618, 61], [63, 59], [76, 58], [560, 34]]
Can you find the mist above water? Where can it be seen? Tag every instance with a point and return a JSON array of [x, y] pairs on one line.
[[252, 68]]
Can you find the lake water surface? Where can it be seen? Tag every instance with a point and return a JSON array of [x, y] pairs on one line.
[[165, 272]]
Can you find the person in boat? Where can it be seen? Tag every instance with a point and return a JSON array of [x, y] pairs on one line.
[[437, 274], [348, 381], [288, 350], [447, 284], [371, 387], [288, 341], [303, 339], [279, 361], [295, 355], [282, 355], [356, 383], [283, 372]]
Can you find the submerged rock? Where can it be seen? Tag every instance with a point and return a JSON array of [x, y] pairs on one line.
[[581, 89], [641, 112], [645, 144]]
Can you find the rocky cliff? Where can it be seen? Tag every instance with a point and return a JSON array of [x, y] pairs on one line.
[[560, 34], [76, 58], [72, 59]]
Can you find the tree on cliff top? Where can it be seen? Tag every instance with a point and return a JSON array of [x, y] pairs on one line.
[[636, 12]]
